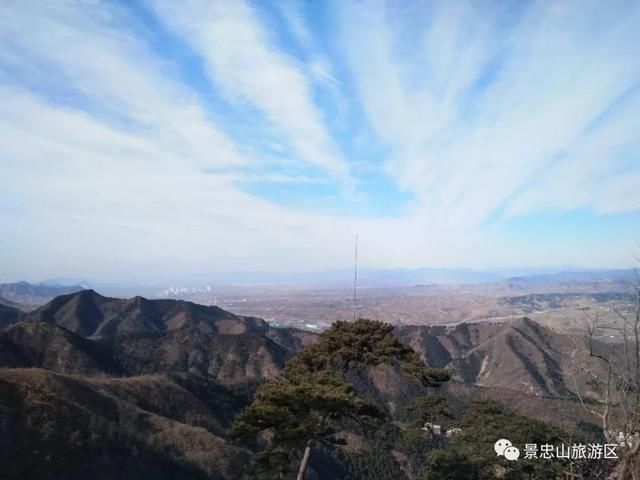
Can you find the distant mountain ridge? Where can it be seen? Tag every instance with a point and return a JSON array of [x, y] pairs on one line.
[[616, 276], [28, 294], [9, 303], [381, 278]]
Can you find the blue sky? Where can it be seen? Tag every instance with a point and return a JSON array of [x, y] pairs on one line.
[[147, 137]]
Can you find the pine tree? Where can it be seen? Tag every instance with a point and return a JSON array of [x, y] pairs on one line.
[[312, 399]]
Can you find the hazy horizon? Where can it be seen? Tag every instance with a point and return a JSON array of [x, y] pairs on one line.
[[155, 139], [338, 278]]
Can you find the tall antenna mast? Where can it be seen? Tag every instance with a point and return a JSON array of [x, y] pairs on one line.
[[355, 281]]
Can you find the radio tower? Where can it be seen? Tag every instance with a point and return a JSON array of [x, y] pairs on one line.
[[355, 281]]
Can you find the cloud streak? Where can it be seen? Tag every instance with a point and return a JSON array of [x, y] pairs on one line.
[[551, 72], [117, 157], [229, 37]]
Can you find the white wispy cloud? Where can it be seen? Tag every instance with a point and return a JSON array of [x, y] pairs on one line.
[[104, 190], [241, 58], [113, 163], [80, 43], [552, 73]]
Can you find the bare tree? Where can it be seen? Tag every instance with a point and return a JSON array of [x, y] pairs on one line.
[[617, 384]]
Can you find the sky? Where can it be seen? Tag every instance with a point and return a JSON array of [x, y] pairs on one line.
[[145, 138]]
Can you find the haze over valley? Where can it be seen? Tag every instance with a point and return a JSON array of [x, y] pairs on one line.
[[560, 300]]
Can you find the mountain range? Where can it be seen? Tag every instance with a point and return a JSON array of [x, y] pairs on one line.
[[36, 294], [400, 277], [88, 333], [86, 374], [26, 296]]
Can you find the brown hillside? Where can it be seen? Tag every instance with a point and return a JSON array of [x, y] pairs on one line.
[[140, 427], [521, 355], [88, 313]]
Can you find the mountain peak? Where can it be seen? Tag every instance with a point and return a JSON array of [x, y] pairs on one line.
[[88, 314]]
